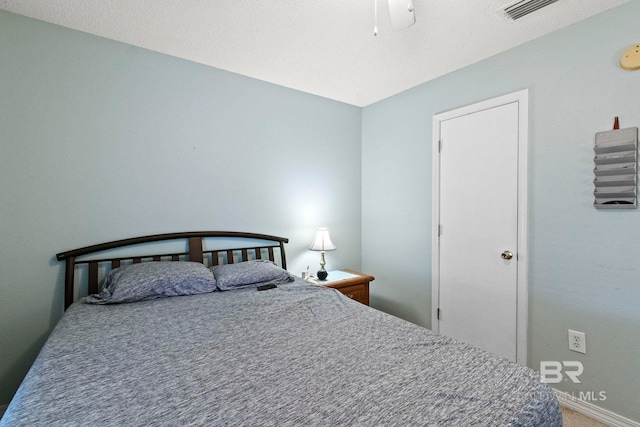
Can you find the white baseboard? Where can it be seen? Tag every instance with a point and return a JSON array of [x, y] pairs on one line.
[[594, 411]]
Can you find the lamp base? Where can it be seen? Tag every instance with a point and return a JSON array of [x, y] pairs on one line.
[[322, 274]]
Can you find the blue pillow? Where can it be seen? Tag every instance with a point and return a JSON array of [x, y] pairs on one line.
[[249, 273], [156, 279]]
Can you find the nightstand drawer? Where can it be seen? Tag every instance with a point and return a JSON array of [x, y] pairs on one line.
[[359, 293], [351, 283]]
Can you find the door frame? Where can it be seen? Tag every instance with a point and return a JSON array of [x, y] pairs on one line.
[[522, 98]]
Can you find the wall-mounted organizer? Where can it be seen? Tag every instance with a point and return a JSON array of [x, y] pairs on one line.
[[616, 169]]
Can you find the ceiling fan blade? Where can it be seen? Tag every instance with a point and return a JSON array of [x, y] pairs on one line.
[[402, 14]]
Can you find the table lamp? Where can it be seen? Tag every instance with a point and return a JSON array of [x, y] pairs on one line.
[[322, 242]]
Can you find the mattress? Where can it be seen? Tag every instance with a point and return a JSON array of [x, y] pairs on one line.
[[299, 354]]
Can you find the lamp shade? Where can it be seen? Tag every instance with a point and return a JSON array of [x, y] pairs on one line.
[[322, 242]]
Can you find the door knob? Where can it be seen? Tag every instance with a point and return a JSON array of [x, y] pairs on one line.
[[506, 255]]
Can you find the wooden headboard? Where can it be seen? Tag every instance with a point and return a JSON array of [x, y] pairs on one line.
[[255, 246]]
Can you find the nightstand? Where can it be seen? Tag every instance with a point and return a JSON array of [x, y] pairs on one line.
[[352, 284]]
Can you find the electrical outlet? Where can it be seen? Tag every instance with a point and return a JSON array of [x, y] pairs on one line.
[[577, 341]]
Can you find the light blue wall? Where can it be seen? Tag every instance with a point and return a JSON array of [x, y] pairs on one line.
[[101, 140], [584, 264]]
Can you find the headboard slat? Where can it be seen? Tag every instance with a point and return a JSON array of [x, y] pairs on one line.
[[195, 249], [93, 278]]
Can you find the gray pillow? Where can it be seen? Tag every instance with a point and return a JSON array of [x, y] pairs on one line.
[[156, 279], [249, 273]]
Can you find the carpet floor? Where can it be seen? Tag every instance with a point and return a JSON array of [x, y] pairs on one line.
[[575, 419]]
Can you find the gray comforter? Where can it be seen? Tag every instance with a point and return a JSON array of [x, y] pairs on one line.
[[298, 355]]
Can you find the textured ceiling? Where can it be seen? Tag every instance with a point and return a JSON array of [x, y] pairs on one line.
[[323, 47]]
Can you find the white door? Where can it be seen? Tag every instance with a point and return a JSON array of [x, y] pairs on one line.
[[479, 227]]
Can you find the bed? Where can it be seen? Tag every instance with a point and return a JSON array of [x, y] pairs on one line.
[[294, 354]]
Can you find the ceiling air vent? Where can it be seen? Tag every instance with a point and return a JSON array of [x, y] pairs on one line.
[[518, 9]]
